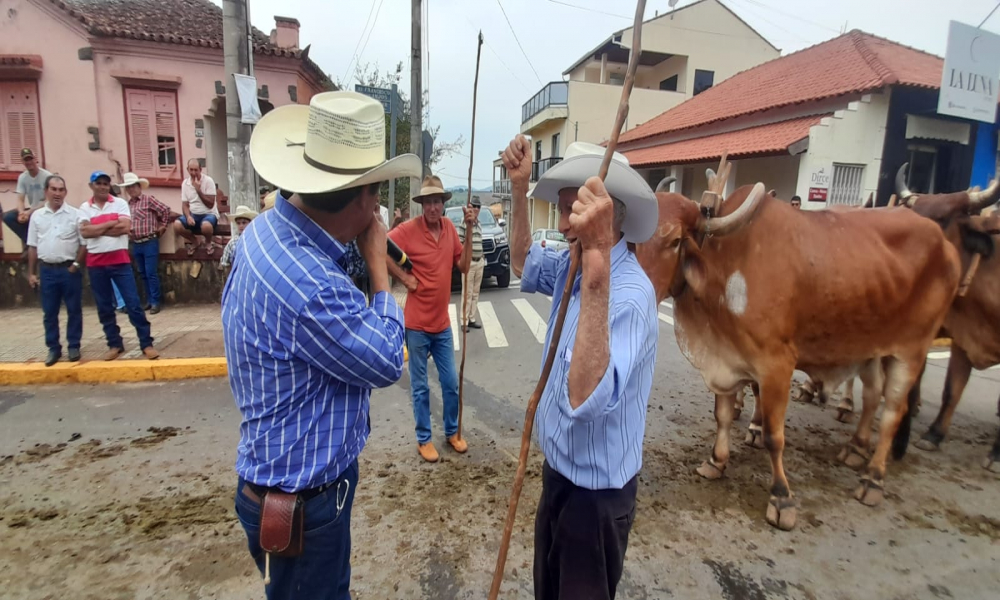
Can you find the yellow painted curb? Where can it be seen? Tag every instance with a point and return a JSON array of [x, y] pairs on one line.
[[119, 371]]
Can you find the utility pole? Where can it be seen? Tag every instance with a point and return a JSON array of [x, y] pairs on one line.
[[416, 100], [237, 48]]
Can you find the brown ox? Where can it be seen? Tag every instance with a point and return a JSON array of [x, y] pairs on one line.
[[764, 289], [973, 323]]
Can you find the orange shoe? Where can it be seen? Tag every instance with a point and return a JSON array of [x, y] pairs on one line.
[[150, 353], [114, 353], [458, 444], [428, 452]]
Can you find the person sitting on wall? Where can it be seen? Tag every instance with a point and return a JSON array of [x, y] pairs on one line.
[[200, 212]]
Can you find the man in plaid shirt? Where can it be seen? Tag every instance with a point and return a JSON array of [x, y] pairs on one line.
[[149, 220]]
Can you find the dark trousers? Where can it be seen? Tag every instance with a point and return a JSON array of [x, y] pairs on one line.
[[19, 229], [323, 570], [104, 296], [147, 260], [580, 539], [58, 287]]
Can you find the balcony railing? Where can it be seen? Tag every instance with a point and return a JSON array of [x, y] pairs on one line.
[[501, 186], [538, 168], [554, 94]]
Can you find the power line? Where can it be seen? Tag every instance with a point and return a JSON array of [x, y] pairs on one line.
[[360, 37], [775, 25], [514, 75], [793, 16], [375, 22], [511, 27], [989, 15], [593, 10]]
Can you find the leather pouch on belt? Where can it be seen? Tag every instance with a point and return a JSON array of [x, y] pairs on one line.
[[282, 524]]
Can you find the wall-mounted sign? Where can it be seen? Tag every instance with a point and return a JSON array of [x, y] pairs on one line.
[[970, 80], [819, 183]]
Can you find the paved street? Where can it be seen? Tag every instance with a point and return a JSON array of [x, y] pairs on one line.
[[126, 492]]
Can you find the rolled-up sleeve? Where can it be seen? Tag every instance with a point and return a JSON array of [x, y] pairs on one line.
[[360, 345], [541, 268]]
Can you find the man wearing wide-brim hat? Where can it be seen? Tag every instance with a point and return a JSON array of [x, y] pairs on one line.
[[150, 219], [303, 345], [591, 417], [432, 243], [240, 217]]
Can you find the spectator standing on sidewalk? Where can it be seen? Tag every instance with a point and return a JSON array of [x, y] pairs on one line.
[[30, 196], [105, 223], [200, 211], [475, 279], [241, 217], [55, 251], [149, 221]]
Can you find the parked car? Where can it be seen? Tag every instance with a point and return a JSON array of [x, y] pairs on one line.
[[495, 247], [549, 238]]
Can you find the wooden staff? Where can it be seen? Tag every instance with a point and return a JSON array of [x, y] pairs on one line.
[[468, 234], [574, 267]]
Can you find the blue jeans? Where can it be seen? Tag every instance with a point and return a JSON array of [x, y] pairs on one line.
[[419, 344], [19, 229], [323, 570], [147, 258], [59, 286], [119, 302], [102, 280]]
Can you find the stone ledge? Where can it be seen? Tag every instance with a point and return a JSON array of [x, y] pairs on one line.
[[119, 371]]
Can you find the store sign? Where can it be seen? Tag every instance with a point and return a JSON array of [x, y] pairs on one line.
[[819, 184], [970, 80]]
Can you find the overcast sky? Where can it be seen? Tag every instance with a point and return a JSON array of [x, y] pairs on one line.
[[554, 36]]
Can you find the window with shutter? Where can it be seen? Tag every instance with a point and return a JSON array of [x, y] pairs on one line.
[[152, 128], [20, 123]]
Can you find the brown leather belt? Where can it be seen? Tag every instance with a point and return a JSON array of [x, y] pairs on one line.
[[254, 492]]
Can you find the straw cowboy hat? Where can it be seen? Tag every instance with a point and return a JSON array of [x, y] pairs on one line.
[[432, 186], [242, 212], [583, 161], [336, 142], [132, 179]]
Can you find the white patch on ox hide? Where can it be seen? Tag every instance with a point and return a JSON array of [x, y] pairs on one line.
[[682, 342], [736, 293]]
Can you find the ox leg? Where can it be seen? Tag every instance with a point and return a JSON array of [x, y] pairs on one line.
[[900, 376], [856, 453], [959, 370], [845, 410], [781, 510], [808, 391], [755, 433], [714, 467], [738, 406], [992, 460]]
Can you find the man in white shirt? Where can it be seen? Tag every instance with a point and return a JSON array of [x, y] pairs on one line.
[[30, 195], [200, 212], [105, 222], [54, 243]]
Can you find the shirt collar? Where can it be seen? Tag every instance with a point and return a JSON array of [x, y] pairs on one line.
[[316, 234]]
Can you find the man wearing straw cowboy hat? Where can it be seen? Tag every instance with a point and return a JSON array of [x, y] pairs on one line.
[[304, 348], [431, 242], [240, 217], [591, 417], [150, 218]]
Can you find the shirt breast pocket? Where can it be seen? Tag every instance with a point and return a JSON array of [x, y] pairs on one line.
[[67, 231]]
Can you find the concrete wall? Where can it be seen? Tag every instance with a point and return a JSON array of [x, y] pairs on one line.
[[854, 135], [779, 173], [594, 106], [650, 77]]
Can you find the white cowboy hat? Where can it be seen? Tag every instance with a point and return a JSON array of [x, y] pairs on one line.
[[583, 161], [131, 179], [336, 142], [432, 186], [242, 212]]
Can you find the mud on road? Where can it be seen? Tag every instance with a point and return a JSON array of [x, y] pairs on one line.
[[147, 513]]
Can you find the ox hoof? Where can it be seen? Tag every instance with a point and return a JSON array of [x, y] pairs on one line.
[[992, 464], [845, 415], [755, 438], [853, 457], [709, 470], [927, 445], [781, 513], [869, 493], [804, 397]]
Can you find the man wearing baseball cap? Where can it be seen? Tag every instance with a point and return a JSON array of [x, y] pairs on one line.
[[30, 195], [105, 222]]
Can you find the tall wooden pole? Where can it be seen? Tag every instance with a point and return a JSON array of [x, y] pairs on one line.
[[236, 52], [574, 267], [416, 100]]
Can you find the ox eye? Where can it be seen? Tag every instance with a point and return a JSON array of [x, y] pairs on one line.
[[675, 243]]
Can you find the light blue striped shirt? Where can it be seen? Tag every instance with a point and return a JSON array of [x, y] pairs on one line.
[[598, 445], [303, 350]]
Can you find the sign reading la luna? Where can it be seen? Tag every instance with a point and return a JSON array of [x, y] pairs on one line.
[[970, 80]]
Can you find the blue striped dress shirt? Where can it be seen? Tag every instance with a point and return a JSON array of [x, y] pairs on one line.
[[597, 445], [304, 351]]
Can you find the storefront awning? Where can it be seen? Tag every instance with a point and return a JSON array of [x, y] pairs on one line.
[[763, 140], [929, 128]]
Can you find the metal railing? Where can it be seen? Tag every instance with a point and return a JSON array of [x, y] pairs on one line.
[[554, 94], [501, 186], [538, 168]]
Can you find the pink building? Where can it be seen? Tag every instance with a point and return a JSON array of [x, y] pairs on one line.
[[129, 86]]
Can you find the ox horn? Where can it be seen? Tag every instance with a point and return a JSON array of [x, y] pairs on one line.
[[870, 202], [980, 200], [738, 218], [772, 193], [664, 184], [901, 189]]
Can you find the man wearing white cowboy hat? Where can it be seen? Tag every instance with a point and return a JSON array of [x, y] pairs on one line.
[[590, 420], [303, 345], [240, 217], [150, 218], [431, 242]]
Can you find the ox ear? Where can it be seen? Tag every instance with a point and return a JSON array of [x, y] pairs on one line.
[[978, 232]]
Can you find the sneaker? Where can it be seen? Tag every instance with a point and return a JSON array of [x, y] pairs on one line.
[[150, 353], [74, 355], [428, 452], [458, 444], [155, 309], [475, 325], [52, 358], [114, 353]]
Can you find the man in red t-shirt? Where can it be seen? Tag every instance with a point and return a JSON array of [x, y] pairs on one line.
[[431, 242]]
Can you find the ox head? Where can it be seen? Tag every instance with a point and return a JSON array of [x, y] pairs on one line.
[[673, 258]]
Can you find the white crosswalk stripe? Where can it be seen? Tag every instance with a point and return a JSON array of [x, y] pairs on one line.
[[666, 319], [453, 315], [535, 323], [939, 355], [495, 337]]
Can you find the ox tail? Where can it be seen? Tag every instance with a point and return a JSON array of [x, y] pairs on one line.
[[901, 441]]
